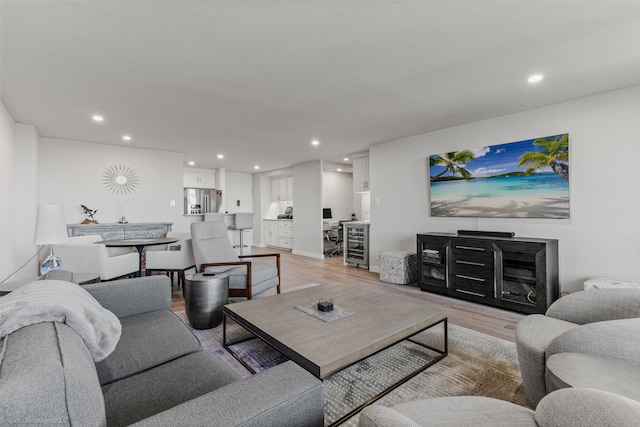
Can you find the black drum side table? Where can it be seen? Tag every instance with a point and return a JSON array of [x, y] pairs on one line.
[[204, 299]]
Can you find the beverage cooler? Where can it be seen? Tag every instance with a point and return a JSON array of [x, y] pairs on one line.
[[356, 244], [199, 201]]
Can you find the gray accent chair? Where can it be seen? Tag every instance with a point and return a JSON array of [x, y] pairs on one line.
[[602, 323], [158, 374], [574, 407], [214, 254]]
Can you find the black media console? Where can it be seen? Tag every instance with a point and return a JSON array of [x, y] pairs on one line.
[[519, 274]]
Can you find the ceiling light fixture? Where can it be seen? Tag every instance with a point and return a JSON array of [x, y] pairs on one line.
[[126, 137], [97, 118], [339, 170], [315, 142], [192, 163], [256, 167], [535, 78], [346, 159], [221, 156]]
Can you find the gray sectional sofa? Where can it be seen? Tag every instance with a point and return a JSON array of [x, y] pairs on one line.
[[597, 326], [574, 407], [158, 374]]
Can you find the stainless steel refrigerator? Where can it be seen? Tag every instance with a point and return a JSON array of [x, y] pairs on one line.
[[199, 201]]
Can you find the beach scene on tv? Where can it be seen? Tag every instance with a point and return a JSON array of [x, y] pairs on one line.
[[523, 179]]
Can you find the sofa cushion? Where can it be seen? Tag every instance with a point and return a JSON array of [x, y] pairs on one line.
[[49, 377], [147, 340], [143, 395], [579, 407], [454, 412]]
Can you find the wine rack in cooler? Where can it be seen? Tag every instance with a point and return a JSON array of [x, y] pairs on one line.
[[356, 244]]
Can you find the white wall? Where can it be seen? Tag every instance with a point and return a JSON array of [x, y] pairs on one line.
[[71, 173], [307, 216], [18, 197], [7, 194], [238, 187], [337, 191], [602, 237]]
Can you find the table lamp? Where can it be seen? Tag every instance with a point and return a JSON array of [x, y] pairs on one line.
[[51, 228]]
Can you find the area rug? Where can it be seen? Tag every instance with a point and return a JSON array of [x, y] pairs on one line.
[[477, 364]]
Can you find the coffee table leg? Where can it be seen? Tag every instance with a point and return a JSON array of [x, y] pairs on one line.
[[441, 354], [227, 345]]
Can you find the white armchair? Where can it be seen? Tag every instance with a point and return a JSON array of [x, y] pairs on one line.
[[177, 257], [82, 255]]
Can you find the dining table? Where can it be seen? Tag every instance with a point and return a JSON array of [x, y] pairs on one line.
[[139, 244]]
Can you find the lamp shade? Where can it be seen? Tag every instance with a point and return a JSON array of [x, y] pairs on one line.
[[51, 227]]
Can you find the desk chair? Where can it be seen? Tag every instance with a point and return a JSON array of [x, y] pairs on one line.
[[244, 221], [338, 239]]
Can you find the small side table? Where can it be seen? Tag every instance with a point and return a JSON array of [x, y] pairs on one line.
[[204, 299]]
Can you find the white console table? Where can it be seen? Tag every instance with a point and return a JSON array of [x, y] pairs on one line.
[[112, 231]]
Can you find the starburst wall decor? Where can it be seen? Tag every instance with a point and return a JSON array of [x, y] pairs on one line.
[[120, 179]]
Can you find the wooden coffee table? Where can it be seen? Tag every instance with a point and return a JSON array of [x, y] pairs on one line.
[[379, 320]]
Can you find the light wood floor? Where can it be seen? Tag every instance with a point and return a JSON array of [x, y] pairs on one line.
[[298, 270]]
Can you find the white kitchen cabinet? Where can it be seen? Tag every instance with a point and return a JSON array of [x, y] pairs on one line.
[[278, 233], [361, 175], [285, 234], [270, 230], [282, 189], [199, 178]]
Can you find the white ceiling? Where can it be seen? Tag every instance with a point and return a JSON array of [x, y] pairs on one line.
[[258, 80]]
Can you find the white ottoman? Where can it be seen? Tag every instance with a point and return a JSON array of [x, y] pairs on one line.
[[398, 267]]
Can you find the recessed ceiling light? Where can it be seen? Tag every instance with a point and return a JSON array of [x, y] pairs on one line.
[[535, 78], [339, 170], [192, 163], [126, 137], [315, 142], [346, 159], [256, 167], [98, 118], [221, 156]]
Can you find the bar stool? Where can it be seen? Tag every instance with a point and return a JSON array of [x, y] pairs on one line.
[[243, 221]]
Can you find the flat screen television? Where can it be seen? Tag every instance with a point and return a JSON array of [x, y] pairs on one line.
[[522, 179], [326, 213]]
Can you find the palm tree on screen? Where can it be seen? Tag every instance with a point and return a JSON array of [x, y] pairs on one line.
[[453, 162], [555, 154]]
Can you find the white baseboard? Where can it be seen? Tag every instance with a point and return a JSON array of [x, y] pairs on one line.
[[309, 254]]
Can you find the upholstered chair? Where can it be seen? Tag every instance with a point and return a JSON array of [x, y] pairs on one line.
[[94, 238], [213, 253], [174, 258], [83, 255], [603, 323], [573, 407]]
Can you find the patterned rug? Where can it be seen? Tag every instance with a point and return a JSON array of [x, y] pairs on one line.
[[477, 364]]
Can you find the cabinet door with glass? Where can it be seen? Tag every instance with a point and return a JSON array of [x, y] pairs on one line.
[[433, 256]]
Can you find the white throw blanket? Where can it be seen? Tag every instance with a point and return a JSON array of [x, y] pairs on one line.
[[64, 302]]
